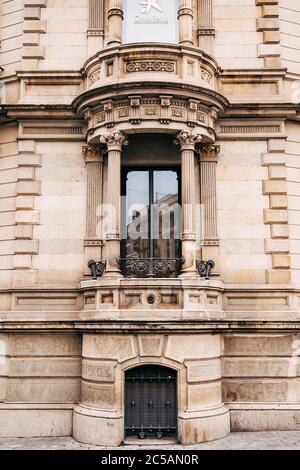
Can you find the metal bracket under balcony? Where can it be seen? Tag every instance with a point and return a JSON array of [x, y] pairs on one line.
[[151, 268]]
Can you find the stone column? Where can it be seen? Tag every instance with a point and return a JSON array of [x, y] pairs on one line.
[[114, 142], [187, 141], [115, 20], [185, 17], [208, 162], [205, 29]]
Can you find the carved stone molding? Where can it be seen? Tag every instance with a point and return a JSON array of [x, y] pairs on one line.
[[113, 140], [150, 66]]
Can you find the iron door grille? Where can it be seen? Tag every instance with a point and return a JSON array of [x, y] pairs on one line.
[[150, 402]]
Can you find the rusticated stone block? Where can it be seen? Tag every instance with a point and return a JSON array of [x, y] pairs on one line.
[[259, 345], [277, 246], [278, 201], [265, 24], [203, 370], [181, 347], [279, 277], [99, 396], [116, 347], [281, 261], [26, 146], [257, 367], [271, 37], [280, 231], [47, 367], [151, 345], [276, 216], [45, 345], [275, 187], [98, 371], [203, 395], [255, 390], [276, 145], [54, 390]]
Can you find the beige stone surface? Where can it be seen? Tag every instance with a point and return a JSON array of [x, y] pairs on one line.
[[229, 84]]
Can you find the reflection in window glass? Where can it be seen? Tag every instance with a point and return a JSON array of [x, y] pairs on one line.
[[150, 21]]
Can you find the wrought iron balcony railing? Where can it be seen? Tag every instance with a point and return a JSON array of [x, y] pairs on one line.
[[151, 268]]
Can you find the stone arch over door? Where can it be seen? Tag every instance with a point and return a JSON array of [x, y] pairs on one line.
[[202, 416]]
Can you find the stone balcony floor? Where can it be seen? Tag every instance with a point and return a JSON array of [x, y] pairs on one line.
[[236, 441]]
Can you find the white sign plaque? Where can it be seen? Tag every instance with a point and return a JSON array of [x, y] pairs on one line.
[[150, 21]]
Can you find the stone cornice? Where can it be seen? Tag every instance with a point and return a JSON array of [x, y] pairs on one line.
[[122, 327], [123, 89]]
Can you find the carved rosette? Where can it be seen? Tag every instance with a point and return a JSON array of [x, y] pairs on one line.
[[92, 153], [187, 140], [209, 152], [113, 140]]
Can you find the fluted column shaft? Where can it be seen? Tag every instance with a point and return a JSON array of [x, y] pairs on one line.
[[185, 17], [96, 26], [208, 166], [187, 141], [114, 142], [205, 14], [94, 165], [115, 20]]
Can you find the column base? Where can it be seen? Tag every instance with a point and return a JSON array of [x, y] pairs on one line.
[[205, 426], [98, 427]]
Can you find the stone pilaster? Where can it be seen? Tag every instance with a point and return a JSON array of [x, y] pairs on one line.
[[115, 20], [185, 17], [95, 32], [205, 29], [208, 162], [94, 185], [208, 158], [187, 141], [114, 142]]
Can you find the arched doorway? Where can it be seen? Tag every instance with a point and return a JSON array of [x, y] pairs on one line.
[[151, 402]]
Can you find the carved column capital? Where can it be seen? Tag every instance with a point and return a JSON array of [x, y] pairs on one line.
[[92, 154], [114, 140], [188, 140], [209, 152]]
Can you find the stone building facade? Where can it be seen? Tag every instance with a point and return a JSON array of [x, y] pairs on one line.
[[94, 93]]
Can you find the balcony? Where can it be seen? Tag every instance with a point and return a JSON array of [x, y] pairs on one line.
[[150, 87]]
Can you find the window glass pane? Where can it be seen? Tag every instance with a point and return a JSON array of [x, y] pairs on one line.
[[137, 212], [150, 21], [166, 215]]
